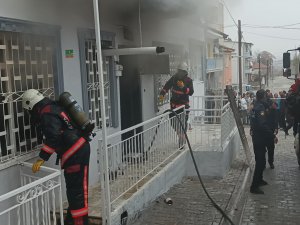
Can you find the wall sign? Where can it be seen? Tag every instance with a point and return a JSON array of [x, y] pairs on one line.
[[69, 53]]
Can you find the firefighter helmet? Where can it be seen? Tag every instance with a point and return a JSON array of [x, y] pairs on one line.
[[261, 94], [30, 98], [183, 66]]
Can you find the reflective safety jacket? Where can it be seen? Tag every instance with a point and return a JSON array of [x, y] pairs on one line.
[[60, 135], [179, 96]]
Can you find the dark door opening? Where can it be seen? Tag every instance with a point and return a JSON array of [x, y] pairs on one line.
[[130, 95]]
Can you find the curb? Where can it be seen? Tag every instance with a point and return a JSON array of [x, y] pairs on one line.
[[236, 209]]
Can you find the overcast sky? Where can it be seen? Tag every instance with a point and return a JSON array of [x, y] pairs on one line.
[[265, 13]]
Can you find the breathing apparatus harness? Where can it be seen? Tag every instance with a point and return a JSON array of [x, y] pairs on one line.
[[78, 118]]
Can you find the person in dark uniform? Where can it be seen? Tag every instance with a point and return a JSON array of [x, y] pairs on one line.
[[272, 121], [260, 132], [71, 147], [181, 87], [293, 109]]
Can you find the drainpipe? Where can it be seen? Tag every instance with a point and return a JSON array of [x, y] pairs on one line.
[[133, 51], [104, 176]]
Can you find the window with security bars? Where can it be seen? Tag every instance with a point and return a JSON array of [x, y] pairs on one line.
[[26, 62], [93, 85]]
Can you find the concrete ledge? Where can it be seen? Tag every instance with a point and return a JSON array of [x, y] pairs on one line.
[[215, 162], [172, 174]]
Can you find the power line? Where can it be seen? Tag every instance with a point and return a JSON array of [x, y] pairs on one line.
[[230, 13], [235, 24], [287, 26], [272, 26], [270, 36]]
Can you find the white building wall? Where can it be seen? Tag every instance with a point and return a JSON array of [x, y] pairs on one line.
[[235, 61], [69, 15]]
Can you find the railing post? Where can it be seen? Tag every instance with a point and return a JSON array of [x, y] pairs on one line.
[[61, 213], [222, 127], [106, 216], [105, 192]]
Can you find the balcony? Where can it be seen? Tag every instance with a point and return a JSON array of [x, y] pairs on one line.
[[214, 64]]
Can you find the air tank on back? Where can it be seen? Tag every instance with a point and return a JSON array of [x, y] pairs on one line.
[[75, 111]]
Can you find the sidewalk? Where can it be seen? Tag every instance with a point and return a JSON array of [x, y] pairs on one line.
[[281, 202]]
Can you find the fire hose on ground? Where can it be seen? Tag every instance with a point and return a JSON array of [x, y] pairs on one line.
[[197, 170]]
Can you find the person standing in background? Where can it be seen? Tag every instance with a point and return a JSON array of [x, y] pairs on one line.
[[244, 108], [261, 134]]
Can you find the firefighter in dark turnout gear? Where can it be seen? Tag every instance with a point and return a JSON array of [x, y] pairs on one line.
[[293, 109], [272, 121], [181, 87], [71, 147], [261, 133]]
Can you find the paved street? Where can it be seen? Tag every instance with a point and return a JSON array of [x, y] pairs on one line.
[[279, 205], [281, 202], [190, 205], [279, 84]]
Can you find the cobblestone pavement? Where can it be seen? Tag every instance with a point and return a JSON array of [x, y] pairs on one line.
[[190, 204], [281, 202], [279, 205]]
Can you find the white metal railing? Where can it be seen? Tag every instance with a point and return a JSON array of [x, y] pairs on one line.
[[34, 199], [210, 122], [134, 153], [227, 123], [210, 103]]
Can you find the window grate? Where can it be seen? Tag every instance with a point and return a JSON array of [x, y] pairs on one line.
[[26, 61], [93, 85]]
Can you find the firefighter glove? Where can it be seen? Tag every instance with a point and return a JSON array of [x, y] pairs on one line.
[[180, 84], [36, 166], [161, 98]]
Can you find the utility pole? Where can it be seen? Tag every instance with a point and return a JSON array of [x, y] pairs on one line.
[[267, 78], [240, 57], [272, 74], [259, 75]]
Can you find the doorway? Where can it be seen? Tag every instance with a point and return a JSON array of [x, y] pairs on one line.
[[130, 95]]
